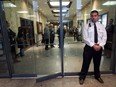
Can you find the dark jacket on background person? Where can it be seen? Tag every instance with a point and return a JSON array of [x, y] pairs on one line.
[[20, 38], [12, 35]]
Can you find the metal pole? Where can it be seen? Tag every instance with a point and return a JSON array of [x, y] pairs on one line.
[[61, 41]]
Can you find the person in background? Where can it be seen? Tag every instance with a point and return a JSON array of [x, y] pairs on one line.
[[110, 27], [110, 33], [20, 39], [46, 36], [75, 33], [94, 36], [12, 41], [52, 36], [59, 36]]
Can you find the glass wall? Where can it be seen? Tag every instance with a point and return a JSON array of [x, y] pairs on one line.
[[21, 34], [73, 46], [32, 53]]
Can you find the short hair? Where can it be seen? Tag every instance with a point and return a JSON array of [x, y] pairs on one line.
[[94, 11]]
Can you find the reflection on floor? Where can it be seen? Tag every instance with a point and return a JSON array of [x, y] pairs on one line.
[[39, 61], [109, 81]]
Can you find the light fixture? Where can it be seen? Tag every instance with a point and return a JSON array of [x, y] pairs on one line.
[[9, 5], [54, 4], [109, 3], [58, 11], [57, 15], [22, 11], [58, 4]]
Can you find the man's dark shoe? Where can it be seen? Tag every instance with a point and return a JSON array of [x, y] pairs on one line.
[[81, 81], [100, 80]]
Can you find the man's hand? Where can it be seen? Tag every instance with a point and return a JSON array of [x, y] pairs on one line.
[[97, 47]]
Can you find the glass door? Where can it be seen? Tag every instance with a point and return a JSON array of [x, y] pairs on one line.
[[73, 44], [73, 41], [20, 30], [46, 50], [35, 47]]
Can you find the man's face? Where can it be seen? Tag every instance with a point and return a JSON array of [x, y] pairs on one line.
[[94, 17]]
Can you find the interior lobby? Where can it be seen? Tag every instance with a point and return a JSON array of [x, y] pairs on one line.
[[56, 66]]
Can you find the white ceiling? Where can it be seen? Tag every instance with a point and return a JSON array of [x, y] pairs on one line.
[[46, 10]]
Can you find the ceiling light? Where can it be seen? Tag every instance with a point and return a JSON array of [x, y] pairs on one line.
[[59, 10], [58, 4], [59, 14], [109, 3], [9, 5], [53, 4], [22, 11]]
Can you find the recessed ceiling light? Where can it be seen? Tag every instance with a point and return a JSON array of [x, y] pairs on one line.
[[55, 4], [58, 4], [109, 3], [22, 11], [9, 5], [59, 14], [59, 10]]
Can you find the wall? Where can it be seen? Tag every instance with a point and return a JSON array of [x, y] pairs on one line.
[[14, 18]]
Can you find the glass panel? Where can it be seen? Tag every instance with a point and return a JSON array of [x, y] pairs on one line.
[[21, 35], [73, 44], [74, 25], [3, 62], [109, 9], [34, 54], [46, 50], [37, 49]]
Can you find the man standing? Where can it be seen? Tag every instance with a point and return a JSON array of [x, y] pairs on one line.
[[110, 33], [52, 35], [59, 36], [94, 35], [46, 36], [12, 41]]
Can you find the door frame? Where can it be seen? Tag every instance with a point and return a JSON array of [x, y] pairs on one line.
[[6, 42], [7, 49]]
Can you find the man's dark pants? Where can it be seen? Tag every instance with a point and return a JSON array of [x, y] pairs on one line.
[[88, 54]]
